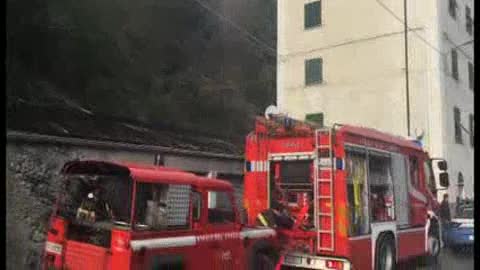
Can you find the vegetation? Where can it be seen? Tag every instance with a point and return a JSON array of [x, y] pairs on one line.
[[163, 63]]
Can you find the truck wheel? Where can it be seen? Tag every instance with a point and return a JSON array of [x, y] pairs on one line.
[[264, 262], [385, 255], [262, 256], [434, 248]]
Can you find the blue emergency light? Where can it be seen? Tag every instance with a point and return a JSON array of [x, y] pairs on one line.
[[418, 142]]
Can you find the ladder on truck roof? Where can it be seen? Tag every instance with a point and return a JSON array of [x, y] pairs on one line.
[[323, 190]]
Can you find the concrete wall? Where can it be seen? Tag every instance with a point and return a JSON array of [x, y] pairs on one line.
[[362, 60], [363, 51], [457, 94], [32, 182]]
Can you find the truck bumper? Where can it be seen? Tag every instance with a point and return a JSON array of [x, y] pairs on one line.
[[305, 261]]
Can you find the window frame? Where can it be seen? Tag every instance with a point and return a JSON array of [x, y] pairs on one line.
[[308, 67], [306, 23]]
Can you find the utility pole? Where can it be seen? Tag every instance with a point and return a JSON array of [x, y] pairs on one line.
[[405, 24]]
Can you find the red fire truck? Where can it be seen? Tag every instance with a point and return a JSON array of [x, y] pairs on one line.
[[362, 199], [126, 216]]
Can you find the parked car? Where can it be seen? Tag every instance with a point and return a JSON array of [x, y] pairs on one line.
[[460, 232]]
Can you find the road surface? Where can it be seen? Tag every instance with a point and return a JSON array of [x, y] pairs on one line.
[[461, 260]]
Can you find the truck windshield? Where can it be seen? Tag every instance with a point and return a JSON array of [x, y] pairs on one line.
[[93, 205], [291, 186], [295, 172], [96, 200], [429, 176]]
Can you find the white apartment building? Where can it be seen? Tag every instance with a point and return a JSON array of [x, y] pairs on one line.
[[344, 61]]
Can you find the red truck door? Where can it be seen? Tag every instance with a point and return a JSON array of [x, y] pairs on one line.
[[222, 239], [418, 199]]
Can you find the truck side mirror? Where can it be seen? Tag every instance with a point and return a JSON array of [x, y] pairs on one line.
[[444, 182], [442, 165]]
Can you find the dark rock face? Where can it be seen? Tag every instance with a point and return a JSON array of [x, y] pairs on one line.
[[32, 185]]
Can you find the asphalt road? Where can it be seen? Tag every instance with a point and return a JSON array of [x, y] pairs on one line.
[[448, 259]]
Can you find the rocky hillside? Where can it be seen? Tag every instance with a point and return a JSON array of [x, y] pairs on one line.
[[205, 65]]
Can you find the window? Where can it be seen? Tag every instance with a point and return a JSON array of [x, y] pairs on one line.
[[460, 185], [471, 75], [167, 261], [458, 127], [460, 181], [313, 15], [357, 191], [454, 64], [429, 176], [220, 208], [414, 179], [196, 206], [381, 186], [295, 172], [162, 206], [468, 20], [113, 193], [472, 141], [315, 118], [313, 71], [452, 8], [400, 182]]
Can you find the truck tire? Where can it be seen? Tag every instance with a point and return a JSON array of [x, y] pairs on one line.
[[262, 256], [264, 262], [434, 251], [385, 254], [434, 245]]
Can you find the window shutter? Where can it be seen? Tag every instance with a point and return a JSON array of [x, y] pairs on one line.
[[454, 64], [472, 143], [458, 128], [452, 5], [313, 71], [320, 70], [313, 14], [315, 118], [470, 75], [468, 20]]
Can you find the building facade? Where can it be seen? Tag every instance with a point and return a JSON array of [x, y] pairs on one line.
[[345, 62]]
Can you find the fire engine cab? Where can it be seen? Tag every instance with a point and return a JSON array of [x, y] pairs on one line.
[[360, 198], [126, 216]]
